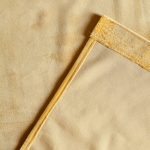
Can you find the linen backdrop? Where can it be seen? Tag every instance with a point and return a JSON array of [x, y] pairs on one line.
[[106, 106]]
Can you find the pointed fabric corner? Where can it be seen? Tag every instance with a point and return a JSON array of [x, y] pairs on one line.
[[112, 35]]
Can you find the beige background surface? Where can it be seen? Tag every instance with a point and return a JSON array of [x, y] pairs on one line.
[[106, 107]]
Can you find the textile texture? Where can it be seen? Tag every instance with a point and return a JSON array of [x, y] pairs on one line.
[[107, 105]]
